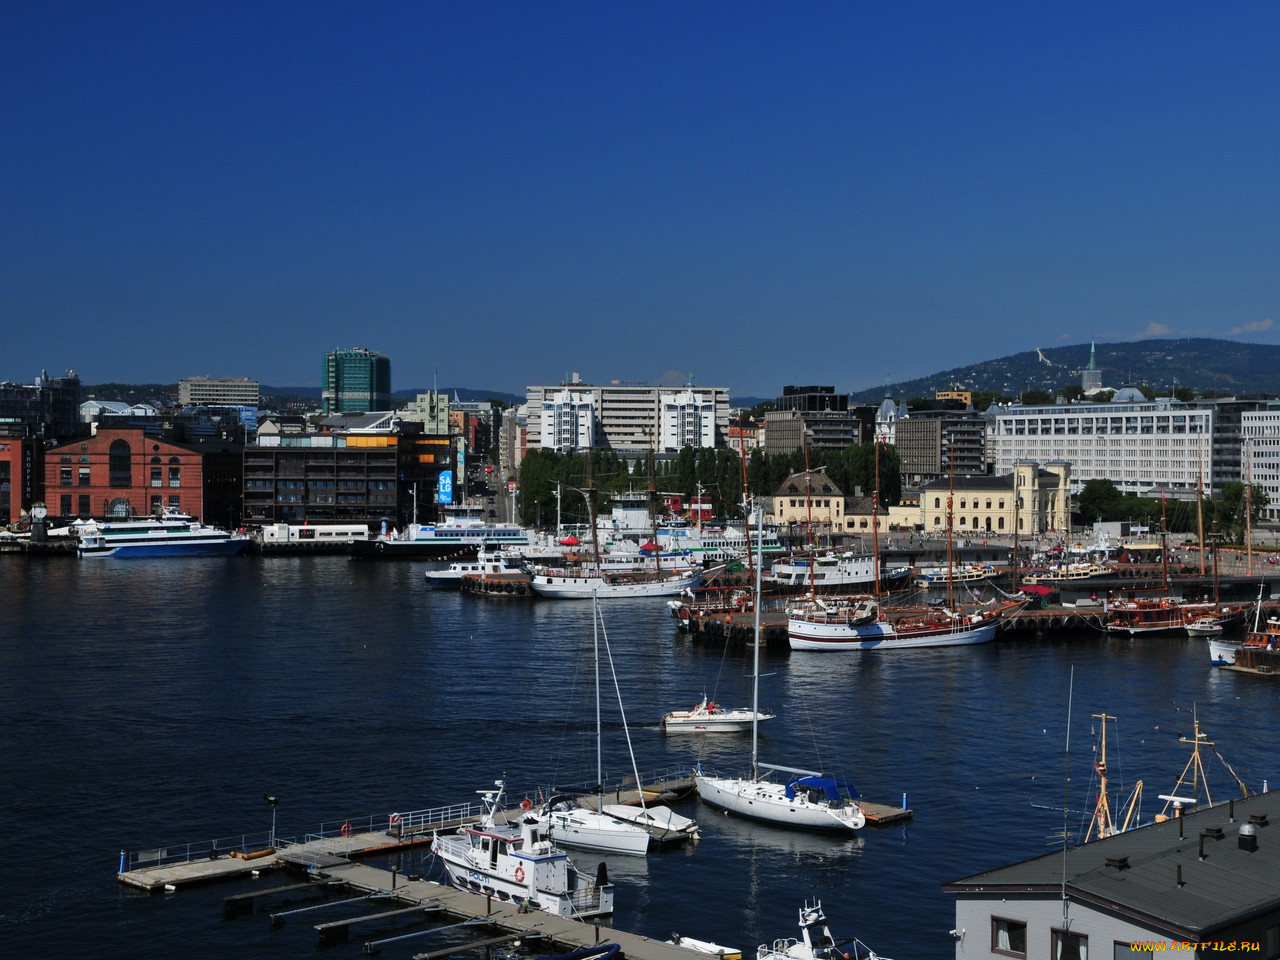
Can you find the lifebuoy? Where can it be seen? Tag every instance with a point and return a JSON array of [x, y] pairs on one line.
[[519, 874], [526, 805], [393, 821], [346, 829]]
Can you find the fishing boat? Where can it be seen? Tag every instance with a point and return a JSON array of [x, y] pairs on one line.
[[171, 534], [711, 717], [807, 799], [519, 863], [816, 942], [1255, 652]]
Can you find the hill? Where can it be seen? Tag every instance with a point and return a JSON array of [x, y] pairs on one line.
[[1204, 365]]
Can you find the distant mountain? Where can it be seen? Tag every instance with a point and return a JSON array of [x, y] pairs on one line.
[[1202, 364]]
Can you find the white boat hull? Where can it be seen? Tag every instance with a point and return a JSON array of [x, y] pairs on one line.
[[592, 830], [583, 588], [768, 801], [1222, 653], [661, 822]]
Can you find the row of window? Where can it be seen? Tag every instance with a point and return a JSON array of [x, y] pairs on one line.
[[118, 508]]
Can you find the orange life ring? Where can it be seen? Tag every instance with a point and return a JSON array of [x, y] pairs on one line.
[[519, 874], [346, 829], [393, 820], [526, 805]]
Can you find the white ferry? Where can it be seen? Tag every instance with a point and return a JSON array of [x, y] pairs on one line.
[[169, 535]]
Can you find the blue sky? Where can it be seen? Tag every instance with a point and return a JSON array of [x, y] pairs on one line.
[[748, 194]]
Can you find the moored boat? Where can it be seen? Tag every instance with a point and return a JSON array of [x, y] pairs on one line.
[[462, 533], [567, 583], [709, 716], [864, 625], [816, 942], [171, 534], [963, 573], [484, 565], [830, 571], [520, 864]]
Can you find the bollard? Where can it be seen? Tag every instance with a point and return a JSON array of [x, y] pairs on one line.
[[904, 799], [123, 859]]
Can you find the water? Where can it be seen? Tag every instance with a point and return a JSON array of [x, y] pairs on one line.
[[147, 703]]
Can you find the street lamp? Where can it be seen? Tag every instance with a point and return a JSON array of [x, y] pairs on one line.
[[272, 799]]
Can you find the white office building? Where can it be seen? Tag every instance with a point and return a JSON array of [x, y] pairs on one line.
[[1260, 456], [688, 420], [1144, 447]]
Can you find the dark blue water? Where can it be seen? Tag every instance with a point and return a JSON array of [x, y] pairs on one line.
[[147, 703]]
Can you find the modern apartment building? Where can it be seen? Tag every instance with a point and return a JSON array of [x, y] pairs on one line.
[[219, 392], [356, 381], [627, 418]]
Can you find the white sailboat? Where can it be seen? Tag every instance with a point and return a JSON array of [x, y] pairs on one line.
[[806, 799], [575, 825]]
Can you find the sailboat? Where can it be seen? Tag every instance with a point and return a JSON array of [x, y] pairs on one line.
[[1103, 825], [861, 623], [807, 798], [616, 828]]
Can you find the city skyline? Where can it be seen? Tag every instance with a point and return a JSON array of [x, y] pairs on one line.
[[737, 195]]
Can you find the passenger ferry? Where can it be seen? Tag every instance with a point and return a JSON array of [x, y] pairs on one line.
[[170, 535], [462, 533]]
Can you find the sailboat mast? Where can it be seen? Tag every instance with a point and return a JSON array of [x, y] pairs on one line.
[[808, 506], [595, 643], [653, 507], [875, 523], [951, 496], [1164, 547], [746, 497], [755, 667], [1103, 825]]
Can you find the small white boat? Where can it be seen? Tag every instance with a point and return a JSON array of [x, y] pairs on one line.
[[662, 823], [815, 942], [710, 717], [520, 864], [569, 584], [705, 947], [569, 823]]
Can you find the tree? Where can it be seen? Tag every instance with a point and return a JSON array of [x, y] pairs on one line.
[[1099, 499]]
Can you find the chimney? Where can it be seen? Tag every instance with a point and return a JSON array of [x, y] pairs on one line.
[[1248, 837]]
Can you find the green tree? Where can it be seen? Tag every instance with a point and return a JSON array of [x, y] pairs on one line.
[[1099, 499]]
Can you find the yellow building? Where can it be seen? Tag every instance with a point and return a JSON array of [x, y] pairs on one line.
[[982, 505]]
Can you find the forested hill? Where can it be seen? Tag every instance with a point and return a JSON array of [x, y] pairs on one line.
[[1202, 364]]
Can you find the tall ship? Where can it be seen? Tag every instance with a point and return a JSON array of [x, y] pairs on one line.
[[462, 533], [168, 535]]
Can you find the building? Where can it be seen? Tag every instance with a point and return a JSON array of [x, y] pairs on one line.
[[568, 422], [812, 400], [1091, 377], [810, 503], [627, 417], [355, 381], [934, 443], [367, 468], [1145, 447], [21, 477], [48, 408], [786, 431], [127, 473], [1173, 888], [1261, 443], [688, 420], [219, 392], [982, 505]]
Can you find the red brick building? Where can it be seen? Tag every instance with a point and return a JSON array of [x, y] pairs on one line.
[[21, 477], [122, 473]]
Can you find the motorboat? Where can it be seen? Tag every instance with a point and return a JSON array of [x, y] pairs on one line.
[[708, 716], [705, 947], [662, 823], [519, 863], [463, 532], [171, 534], [815, 942], [567, 583], [484, 565], [571, 824]]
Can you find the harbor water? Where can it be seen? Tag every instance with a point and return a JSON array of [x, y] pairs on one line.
[[153, 703]]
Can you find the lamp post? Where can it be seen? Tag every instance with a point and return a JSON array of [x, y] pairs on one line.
[[272, 799]]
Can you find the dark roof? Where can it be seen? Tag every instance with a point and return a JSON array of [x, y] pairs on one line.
[[1137, 873], [820, 484]]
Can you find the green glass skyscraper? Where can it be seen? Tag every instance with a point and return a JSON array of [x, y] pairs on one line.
[[356, 381]]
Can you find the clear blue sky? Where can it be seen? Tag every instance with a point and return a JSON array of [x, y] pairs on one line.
[[497, 194]]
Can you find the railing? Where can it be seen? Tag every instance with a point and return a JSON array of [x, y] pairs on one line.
[[196, 850]]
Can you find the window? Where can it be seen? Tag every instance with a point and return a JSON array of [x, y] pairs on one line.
[[175, 472], [64, 477], [65, 504], [1008, 937], [83, 509], [1069, 946], [156, 476], [119, 464], [1123, 950]]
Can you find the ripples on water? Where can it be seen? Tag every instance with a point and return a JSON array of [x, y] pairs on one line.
[[152, 702]]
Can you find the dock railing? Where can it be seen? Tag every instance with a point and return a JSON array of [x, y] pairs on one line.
[[194, 850]]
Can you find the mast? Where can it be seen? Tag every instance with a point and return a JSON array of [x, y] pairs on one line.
[[653, 507], [875, 524], [591, 511], [746, 498], [1017, 502], [755, 667], [595, 643], [951, 494], [1164, 547], [1102, 825], [1200, 510], [808, 504], [1248, 507]]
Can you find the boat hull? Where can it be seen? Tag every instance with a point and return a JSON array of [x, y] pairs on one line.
[[767, 801], [217, 547], [584, 588], [601, 832], [1222, 653], [810, 635]]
